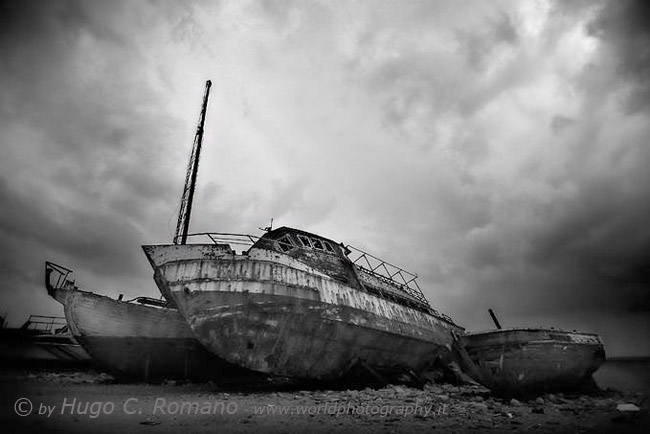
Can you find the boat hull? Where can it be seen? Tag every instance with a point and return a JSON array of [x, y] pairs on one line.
[[137, 342], [524, 361], [268, 313], [300, 338]]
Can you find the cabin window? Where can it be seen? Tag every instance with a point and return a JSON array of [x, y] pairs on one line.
[[328, 247], [285, 244], [304, 240], [317, 244]]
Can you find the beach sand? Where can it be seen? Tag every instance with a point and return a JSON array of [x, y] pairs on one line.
[[91, 402]]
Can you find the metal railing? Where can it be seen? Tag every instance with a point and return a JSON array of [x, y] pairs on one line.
[[44, 324], [226, 238], [395, 276], [62, 274]]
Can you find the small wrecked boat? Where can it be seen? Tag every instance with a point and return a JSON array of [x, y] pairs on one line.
[[522, 361], [41, 341], [294, 304], [141, 339]]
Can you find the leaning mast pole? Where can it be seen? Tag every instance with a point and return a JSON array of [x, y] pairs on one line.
[[190, 177]]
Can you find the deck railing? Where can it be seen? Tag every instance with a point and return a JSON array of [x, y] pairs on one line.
[[61, 276], [395, 276], [44, 324], [225, 238]]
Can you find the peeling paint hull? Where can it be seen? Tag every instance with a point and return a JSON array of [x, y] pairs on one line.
[[273, 314], [137, 342], [523, 361], [300, 338]]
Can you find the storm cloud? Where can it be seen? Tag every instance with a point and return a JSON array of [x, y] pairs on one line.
[[499, 150]]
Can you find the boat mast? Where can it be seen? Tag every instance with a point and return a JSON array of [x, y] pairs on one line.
[[190, 177], [494, 318]]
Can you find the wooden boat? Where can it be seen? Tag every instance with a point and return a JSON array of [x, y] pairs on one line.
[[522, 361], [296, 304], [141, 339]]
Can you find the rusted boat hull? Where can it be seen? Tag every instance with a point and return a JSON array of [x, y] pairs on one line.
[[301, 338], [524, 361], [137, 342], [271, 314]]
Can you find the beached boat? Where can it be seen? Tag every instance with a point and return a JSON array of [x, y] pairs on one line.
[[296, 304], [522, 361], [140, 339]]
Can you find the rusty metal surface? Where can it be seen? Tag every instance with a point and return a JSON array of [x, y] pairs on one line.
[[297, 337], [295, 314], [254, 275]]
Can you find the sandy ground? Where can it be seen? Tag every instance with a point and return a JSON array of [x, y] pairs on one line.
[[88, 402]]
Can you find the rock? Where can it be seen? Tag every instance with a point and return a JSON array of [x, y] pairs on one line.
[[601, 403], [480, 406], [539, 401], [443, 397], [515, 403], [461, 377], [150, 423], [433, 389], [627, 407]]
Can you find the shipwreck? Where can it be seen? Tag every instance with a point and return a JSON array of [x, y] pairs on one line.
[[296, 304], [140, 339], [527, 360]]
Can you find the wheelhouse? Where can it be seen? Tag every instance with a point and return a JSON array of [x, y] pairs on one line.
[[349, 265]]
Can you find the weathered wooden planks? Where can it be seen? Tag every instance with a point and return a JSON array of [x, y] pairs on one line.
[[521, 361]]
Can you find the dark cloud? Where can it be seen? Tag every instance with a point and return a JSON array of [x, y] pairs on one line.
[[559, 123], [624, 27], [484, 147], [83, 139], [95, 240]]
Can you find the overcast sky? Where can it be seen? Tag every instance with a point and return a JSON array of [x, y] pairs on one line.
[[498, 149]]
